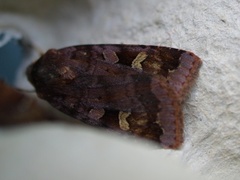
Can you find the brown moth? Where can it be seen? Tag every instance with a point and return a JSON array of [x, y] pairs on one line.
[[137, 89]]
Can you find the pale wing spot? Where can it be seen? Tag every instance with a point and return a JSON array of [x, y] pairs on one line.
[[136, 63], [123, 124], [142, 122], [155, 67], [96, 113], [110, 56], [158, 122], [66, 73]]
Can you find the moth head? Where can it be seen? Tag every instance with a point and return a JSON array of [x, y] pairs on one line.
[[41, 71]]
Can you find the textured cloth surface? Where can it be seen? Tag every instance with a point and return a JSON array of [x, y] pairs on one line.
[[57, 152], [210, 29]]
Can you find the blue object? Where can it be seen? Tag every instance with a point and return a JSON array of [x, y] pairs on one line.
[[11, 54]]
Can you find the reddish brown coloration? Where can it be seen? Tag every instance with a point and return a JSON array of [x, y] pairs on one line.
[[17, 108], [133, 88]]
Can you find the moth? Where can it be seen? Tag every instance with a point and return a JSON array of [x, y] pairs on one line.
[[138, 89]]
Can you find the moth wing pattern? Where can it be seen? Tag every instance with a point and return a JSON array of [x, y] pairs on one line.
[[137, 89]]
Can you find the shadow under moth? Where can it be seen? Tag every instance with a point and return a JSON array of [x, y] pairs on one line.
[[137, 89]]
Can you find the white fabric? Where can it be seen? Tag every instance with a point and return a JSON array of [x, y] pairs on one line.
[[208, 28]]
